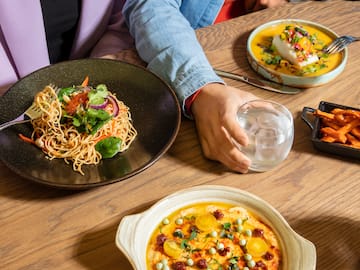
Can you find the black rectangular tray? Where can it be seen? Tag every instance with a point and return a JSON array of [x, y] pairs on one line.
[[315, 125]]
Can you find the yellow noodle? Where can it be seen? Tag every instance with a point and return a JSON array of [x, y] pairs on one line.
[[64, 141]]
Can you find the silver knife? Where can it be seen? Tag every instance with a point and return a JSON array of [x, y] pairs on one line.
[[264, 84]]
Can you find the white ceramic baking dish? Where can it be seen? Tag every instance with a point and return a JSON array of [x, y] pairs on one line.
[[134, 231]]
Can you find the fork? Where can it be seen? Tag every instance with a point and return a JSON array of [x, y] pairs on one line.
[[339, 44], [33, 112]]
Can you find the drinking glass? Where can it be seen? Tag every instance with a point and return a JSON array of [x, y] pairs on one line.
[[270, 129]]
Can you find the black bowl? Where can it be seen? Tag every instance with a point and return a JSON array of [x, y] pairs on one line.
[[315, 125], [153, 105]]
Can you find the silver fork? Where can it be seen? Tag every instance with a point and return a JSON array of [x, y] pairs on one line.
[[339, 44], [33, 112]]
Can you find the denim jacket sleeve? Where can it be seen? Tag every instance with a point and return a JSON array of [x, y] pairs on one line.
[[165, 39]]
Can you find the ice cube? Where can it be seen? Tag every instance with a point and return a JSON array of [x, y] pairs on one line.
[[245, 120], [266, 137], [268, 119]]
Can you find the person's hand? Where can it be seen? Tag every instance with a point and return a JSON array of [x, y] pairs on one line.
[[271, 3], [255, 5], [214, 111]]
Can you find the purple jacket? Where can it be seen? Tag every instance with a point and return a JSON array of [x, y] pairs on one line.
[[23, 47]]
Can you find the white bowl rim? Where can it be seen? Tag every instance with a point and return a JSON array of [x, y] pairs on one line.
[[308, 80]]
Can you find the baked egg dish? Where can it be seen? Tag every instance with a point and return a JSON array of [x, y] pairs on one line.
[[214, 235]]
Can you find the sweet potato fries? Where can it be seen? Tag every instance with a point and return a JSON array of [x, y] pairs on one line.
[[340, 126]]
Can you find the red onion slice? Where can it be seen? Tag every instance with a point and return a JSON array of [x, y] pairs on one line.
[[99, 106], [114, 105]]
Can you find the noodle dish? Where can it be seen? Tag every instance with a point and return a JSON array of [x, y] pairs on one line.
[[81, 124]]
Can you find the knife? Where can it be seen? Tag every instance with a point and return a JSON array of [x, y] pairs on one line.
[[264, 84]]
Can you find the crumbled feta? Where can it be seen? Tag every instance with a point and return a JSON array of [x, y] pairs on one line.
[[287, 51]]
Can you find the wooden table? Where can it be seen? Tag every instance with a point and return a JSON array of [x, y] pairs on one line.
[[318, 193]]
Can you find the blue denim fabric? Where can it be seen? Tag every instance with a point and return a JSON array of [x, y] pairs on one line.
[[165, 39]]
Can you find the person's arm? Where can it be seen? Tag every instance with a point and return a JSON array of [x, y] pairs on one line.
[[166, 41]]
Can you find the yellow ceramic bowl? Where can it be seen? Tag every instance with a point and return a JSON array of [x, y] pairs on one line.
[[135, 230], [262, 36]]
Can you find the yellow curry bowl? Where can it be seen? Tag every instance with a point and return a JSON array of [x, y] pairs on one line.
[[281, 54], [242, 229]]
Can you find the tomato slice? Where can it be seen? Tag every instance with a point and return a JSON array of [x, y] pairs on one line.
[[172, 249], [206, 222], [257, 247]]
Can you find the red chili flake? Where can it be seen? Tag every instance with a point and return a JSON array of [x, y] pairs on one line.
[[297, 46], [218, 214], [160, 239], [179, 266], [258, 232], [224, 251], [202, 264], [236, 240], [260, 265], [268, 256], [300, 58]]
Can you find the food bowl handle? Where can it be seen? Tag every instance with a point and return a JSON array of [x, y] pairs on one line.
[[125, 236], [307, 252], [304, 114]]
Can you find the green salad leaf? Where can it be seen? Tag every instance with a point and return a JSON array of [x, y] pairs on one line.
[[65, 92], [98, 95], [91, 120], [108, 147]]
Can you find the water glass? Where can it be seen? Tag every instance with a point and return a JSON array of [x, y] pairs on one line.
[[270, 129]]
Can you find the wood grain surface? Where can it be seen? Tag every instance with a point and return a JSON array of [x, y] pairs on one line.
[[317, 193]]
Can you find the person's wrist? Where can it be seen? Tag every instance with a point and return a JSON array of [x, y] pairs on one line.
[[190, 100]]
